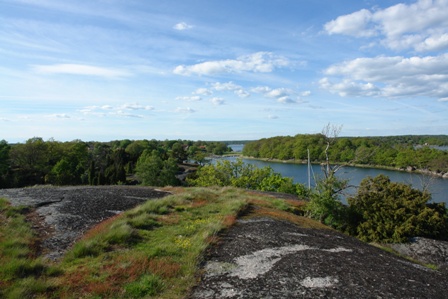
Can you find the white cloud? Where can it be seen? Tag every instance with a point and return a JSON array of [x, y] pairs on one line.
[[435, 42], [189, 99], [390, 77], [285, 100], [281, 95], [185, 110], [242, 93], [350, 88], [353, 24], [126, 114], [260, 62], [217, 101], [182, 26], [203, 91], [230, 86], [61, 115], [261, 89], [80, 69], [121, 110], [278, 93], [272, 116], [134, 106], [421, 25]]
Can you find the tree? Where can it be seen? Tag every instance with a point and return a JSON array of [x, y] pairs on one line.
[[178, 152], [394, 212], [91, 173], [71, 168], [4, 163], [30, 161], [153, 171], [62, 173]]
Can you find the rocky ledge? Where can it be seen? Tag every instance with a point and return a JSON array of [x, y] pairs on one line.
[[63, 214], [268, 258]]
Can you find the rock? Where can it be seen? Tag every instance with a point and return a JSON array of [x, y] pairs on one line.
[[410, 168], [63, 214], [269, 258], [425, 250]]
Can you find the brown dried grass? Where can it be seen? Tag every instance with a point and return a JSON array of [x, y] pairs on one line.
[[100, 227]]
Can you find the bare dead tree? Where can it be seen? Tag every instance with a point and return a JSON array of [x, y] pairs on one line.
[[330, 132]]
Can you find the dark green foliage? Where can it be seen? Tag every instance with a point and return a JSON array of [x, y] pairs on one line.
[[30, 161], [385, 211], [4, 163], [95, 163], [153, 171]]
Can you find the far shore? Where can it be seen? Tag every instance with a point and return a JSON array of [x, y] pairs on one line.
[[409, 169]]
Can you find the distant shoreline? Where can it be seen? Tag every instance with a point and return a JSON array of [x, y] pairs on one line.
[[410, 169]]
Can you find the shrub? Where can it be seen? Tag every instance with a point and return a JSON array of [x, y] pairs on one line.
[[325, 204], [394, 212]]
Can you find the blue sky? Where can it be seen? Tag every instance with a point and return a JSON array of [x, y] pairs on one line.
[[221, 70]]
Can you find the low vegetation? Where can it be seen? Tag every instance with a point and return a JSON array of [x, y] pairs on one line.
[[247, 176], [22, 273], [151, 250]]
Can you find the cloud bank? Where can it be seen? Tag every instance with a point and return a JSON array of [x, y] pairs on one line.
[[421, 26], [390, 77], [260, 62]]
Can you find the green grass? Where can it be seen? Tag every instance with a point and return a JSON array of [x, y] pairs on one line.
[[152, 250], [21, 275]]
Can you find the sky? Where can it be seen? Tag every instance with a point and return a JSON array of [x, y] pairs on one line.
[[102, 70]]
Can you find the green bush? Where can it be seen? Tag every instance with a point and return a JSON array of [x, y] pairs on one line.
[[325, 204], [393, 212]]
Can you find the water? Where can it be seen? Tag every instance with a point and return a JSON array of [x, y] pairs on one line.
[[237, 148], [299, 173]]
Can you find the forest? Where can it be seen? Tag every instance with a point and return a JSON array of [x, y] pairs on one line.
[[95, 163], [401, 152]]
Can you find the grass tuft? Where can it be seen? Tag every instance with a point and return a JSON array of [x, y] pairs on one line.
[[146, 285]]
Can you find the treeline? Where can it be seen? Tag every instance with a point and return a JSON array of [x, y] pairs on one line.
[[392, 151], [96, 163]]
